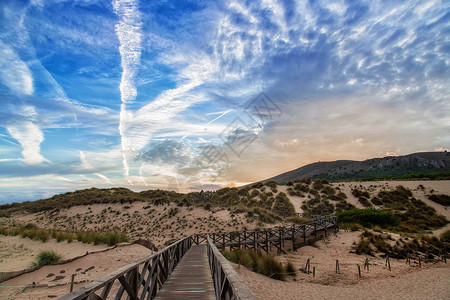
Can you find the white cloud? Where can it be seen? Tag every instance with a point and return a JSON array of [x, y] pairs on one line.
[[84, 163], [30, 138], [14, 72]]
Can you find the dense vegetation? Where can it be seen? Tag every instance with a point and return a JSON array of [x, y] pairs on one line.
[[368, 218], [398, 211], [323, 198], [31, 231], [382, 242], [441, 199]]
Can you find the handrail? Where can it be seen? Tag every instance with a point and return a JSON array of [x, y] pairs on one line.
[[133, 279], [269, 237], [227, 283]]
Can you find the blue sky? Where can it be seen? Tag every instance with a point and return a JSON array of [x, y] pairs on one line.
[[178, 94]]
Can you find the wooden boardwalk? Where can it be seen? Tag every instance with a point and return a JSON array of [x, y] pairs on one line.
[[191, 279]]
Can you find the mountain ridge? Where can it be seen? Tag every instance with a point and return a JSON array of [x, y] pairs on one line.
[[414, 164]]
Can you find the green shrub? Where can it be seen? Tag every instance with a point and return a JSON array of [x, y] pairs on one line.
[[272, 184], [301, 187], [363, 246], [283, 204], [42, 235], [368, 217], [290, 269], [265, 215], [445, 237], [266, 265], [317, 185], [441, 199], [365, 202], [344, 205], [30, 226], [272, 268], [328, 190], [45, 257]]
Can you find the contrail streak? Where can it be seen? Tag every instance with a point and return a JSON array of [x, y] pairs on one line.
[[128, 31]]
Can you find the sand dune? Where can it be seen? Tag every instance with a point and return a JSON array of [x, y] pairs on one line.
[[161, 224]]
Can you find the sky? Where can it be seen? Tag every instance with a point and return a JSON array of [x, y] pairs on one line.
[[195, 94]]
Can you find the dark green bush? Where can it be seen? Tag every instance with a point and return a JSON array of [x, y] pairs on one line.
[[266, 265], [445, 237], [441, 199], [328, 190], [272, 268], [317, 185], [271, 184], [363, 246], [368, 217], [290, 269], [283, 204]]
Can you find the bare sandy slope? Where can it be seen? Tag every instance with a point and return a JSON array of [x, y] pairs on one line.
[[18, 253], [402, 282], [160, 224], [52, 281]]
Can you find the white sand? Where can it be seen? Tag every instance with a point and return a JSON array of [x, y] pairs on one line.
[[94, 266], [402, 282]]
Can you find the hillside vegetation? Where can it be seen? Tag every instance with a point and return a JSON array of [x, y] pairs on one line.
[[165, 216]]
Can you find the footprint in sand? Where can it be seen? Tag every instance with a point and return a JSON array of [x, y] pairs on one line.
[[59, 278]]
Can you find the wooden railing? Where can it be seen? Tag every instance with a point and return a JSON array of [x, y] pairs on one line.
[[227, 283], [139, 280], [267, 238]]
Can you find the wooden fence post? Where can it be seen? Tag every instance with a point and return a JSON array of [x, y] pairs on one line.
[[71, 282]]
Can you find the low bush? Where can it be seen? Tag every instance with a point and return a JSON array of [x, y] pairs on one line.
[[368, 217], [445, 237], [45, 257], [290, 269], [363, 246], [272, 268], [266, 265], [283, 204], [441, 199]]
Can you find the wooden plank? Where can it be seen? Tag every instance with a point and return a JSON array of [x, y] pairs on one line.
[[191, 279]]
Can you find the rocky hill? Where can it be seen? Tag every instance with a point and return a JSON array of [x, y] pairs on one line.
[[417, 165]]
